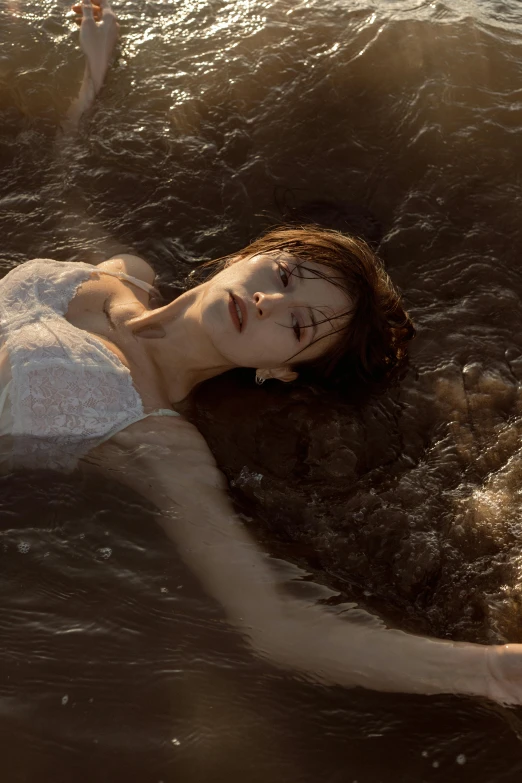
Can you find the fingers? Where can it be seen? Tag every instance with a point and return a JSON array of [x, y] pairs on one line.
[[108, 14], [87, 10]]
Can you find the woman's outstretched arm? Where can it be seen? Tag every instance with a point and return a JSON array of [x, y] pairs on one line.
[[169, 462], [98, 36]]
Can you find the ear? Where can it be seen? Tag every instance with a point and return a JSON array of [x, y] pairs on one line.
[[284, 374]]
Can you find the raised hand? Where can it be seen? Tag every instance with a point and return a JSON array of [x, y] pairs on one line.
[[98, 36], [78, 10]]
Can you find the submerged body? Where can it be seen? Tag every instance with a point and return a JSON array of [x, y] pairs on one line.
[[73, 327]]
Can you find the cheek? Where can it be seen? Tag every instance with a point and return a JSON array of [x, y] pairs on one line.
[[274, 345], [213, 313]]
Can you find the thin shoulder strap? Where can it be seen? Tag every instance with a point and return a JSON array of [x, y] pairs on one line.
[[130, 279]]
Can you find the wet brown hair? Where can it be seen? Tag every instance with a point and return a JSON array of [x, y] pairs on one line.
[[374, 333]]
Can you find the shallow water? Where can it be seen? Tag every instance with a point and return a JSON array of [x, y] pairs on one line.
[[114, 665]]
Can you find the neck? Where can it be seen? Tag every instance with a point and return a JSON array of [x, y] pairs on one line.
[[177, 346]]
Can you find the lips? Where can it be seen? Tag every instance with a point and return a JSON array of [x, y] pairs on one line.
[[237, 310]]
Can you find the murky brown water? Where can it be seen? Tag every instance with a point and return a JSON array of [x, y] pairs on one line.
[[114, 666]]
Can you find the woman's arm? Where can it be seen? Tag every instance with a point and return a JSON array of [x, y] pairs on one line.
[[97, 40], [169, 463]]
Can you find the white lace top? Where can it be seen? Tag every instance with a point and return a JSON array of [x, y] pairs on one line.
[[62, 391]]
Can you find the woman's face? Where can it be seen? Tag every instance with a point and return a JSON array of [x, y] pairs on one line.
[[264, 310]]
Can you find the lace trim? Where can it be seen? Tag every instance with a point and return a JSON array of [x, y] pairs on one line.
[[69, 392]]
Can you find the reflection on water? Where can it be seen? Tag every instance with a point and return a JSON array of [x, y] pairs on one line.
[[114, 664]]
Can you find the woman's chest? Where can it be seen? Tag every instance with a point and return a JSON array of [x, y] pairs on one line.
[[104, 309]]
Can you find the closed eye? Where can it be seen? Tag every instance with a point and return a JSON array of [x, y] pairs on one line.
[[296, 327]]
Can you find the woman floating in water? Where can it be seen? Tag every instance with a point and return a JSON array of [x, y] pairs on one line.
[[90, 375]]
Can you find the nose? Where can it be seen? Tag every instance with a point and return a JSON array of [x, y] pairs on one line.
[[266, 303]]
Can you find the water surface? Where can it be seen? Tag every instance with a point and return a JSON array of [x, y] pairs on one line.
[[215, 119]]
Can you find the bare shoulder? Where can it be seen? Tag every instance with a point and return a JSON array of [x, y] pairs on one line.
[[130, 265]]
